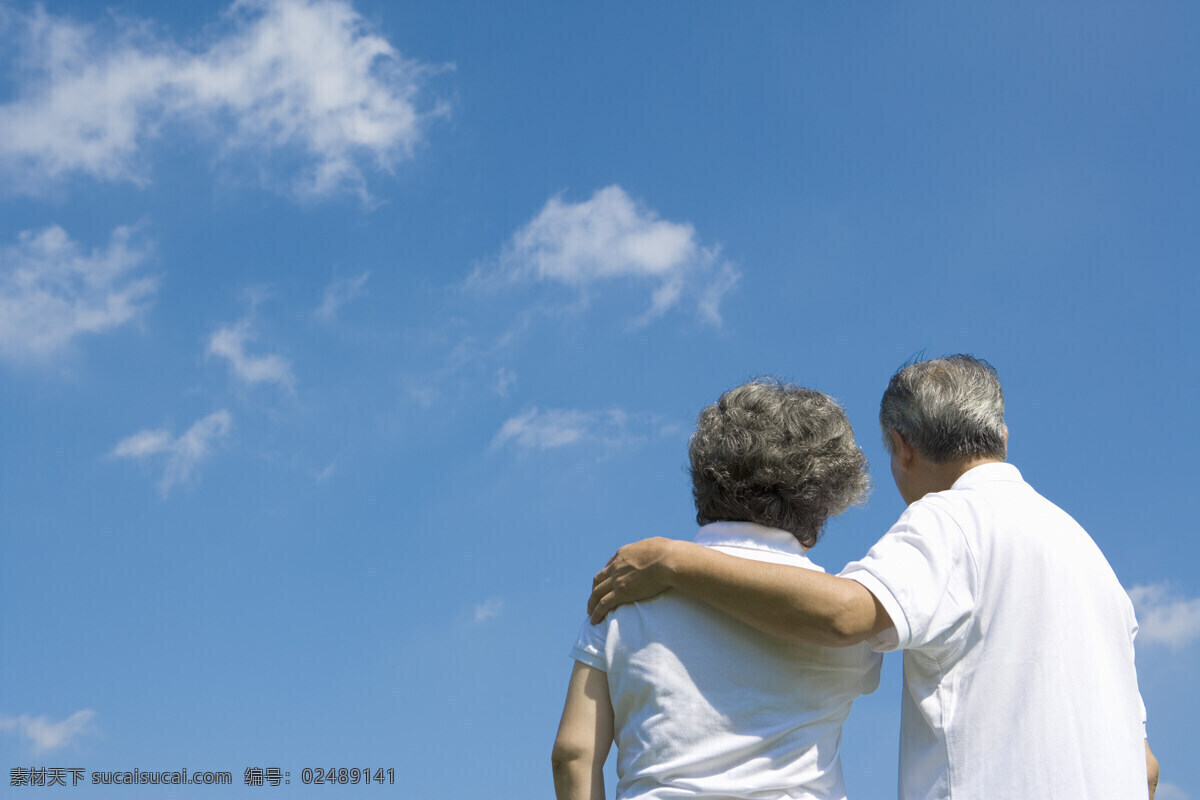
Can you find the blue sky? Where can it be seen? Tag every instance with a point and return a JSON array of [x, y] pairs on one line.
[[341, 344]]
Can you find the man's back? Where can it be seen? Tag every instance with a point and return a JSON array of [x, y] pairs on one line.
[[1019, 673]]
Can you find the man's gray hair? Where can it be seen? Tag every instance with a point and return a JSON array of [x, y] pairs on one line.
[[776, 454], [947, 409]]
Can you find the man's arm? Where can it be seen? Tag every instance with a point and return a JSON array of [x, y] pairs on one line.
[[790, 603], [585, 736], [1151, 770]]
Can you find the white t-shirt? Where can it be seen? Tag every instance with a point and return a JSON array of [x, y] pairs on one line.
[[1019, 679], [707, 707]]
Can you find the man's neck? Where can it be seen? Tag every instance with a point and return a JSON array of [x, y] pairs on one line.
[[940, 477], [956, 471]]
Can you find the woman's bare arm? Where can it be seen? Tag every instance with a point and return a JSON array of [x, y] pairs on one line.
[[585, 735]]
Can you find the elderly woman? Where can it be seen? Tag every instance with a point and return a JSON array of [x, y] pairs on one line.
[[700, 705]]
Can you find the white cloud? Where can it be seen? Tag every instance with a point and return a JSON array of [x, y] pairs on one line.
[[326, 472], [708, 304], [182, 454], [52, 290], [1164, 617], [488, 609], [466, 361], [337, 294], [505, 380], [144, 443], [557, 427], [303, 77], [331, 468], [610, 237], [544, 430], [606, 236], [229, 342], [45, 735]]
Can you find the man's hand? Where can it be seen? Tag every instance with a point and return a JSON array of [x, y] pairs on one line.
[[636, 572]]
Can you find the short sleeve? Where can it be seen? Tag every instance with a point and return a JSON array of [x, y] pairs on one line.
[[924, 575], [1133, 632], [589, 647]]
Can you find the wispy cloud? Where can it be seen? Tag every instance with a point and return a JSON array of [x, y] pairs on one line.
[[337, 294], [1165, 617], [558, 427], [506, 379], [488, 609], [182, 454], [328, 471], [53, 291], [611, 237], [545, 430], [45, 735], [229, 343], [469, 360], [300, 77]]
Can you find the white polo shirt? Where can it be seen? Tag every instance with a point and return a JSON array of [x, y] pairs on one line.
[[1019, 679], [707, 707]]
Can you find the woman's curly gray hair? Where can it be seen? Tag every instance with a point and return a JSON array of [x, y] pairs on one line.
[[776, 454]]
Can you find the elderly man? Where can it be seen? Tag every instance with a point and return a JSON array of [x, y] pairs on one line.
[[1017, 637], [699, 705]]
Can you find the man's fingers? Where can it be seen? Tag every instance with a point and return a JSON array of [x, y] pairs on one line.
[[602, 574], [599, 590], [607, 584], [601, 609]]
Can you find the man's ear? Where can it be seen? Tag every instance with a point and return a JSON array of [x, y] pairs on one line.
[[903, 450], [1005, 435]]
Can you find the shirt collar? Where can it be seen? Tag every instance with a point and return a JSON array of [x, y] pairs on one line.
[[992, 471], [749, 535]]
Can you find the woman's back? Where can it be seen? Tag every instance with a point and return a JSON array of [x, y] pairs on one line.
[[707, 707]]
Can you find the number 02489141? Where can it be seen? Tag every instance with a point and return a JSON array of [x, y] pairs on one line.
[[348, 775]]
